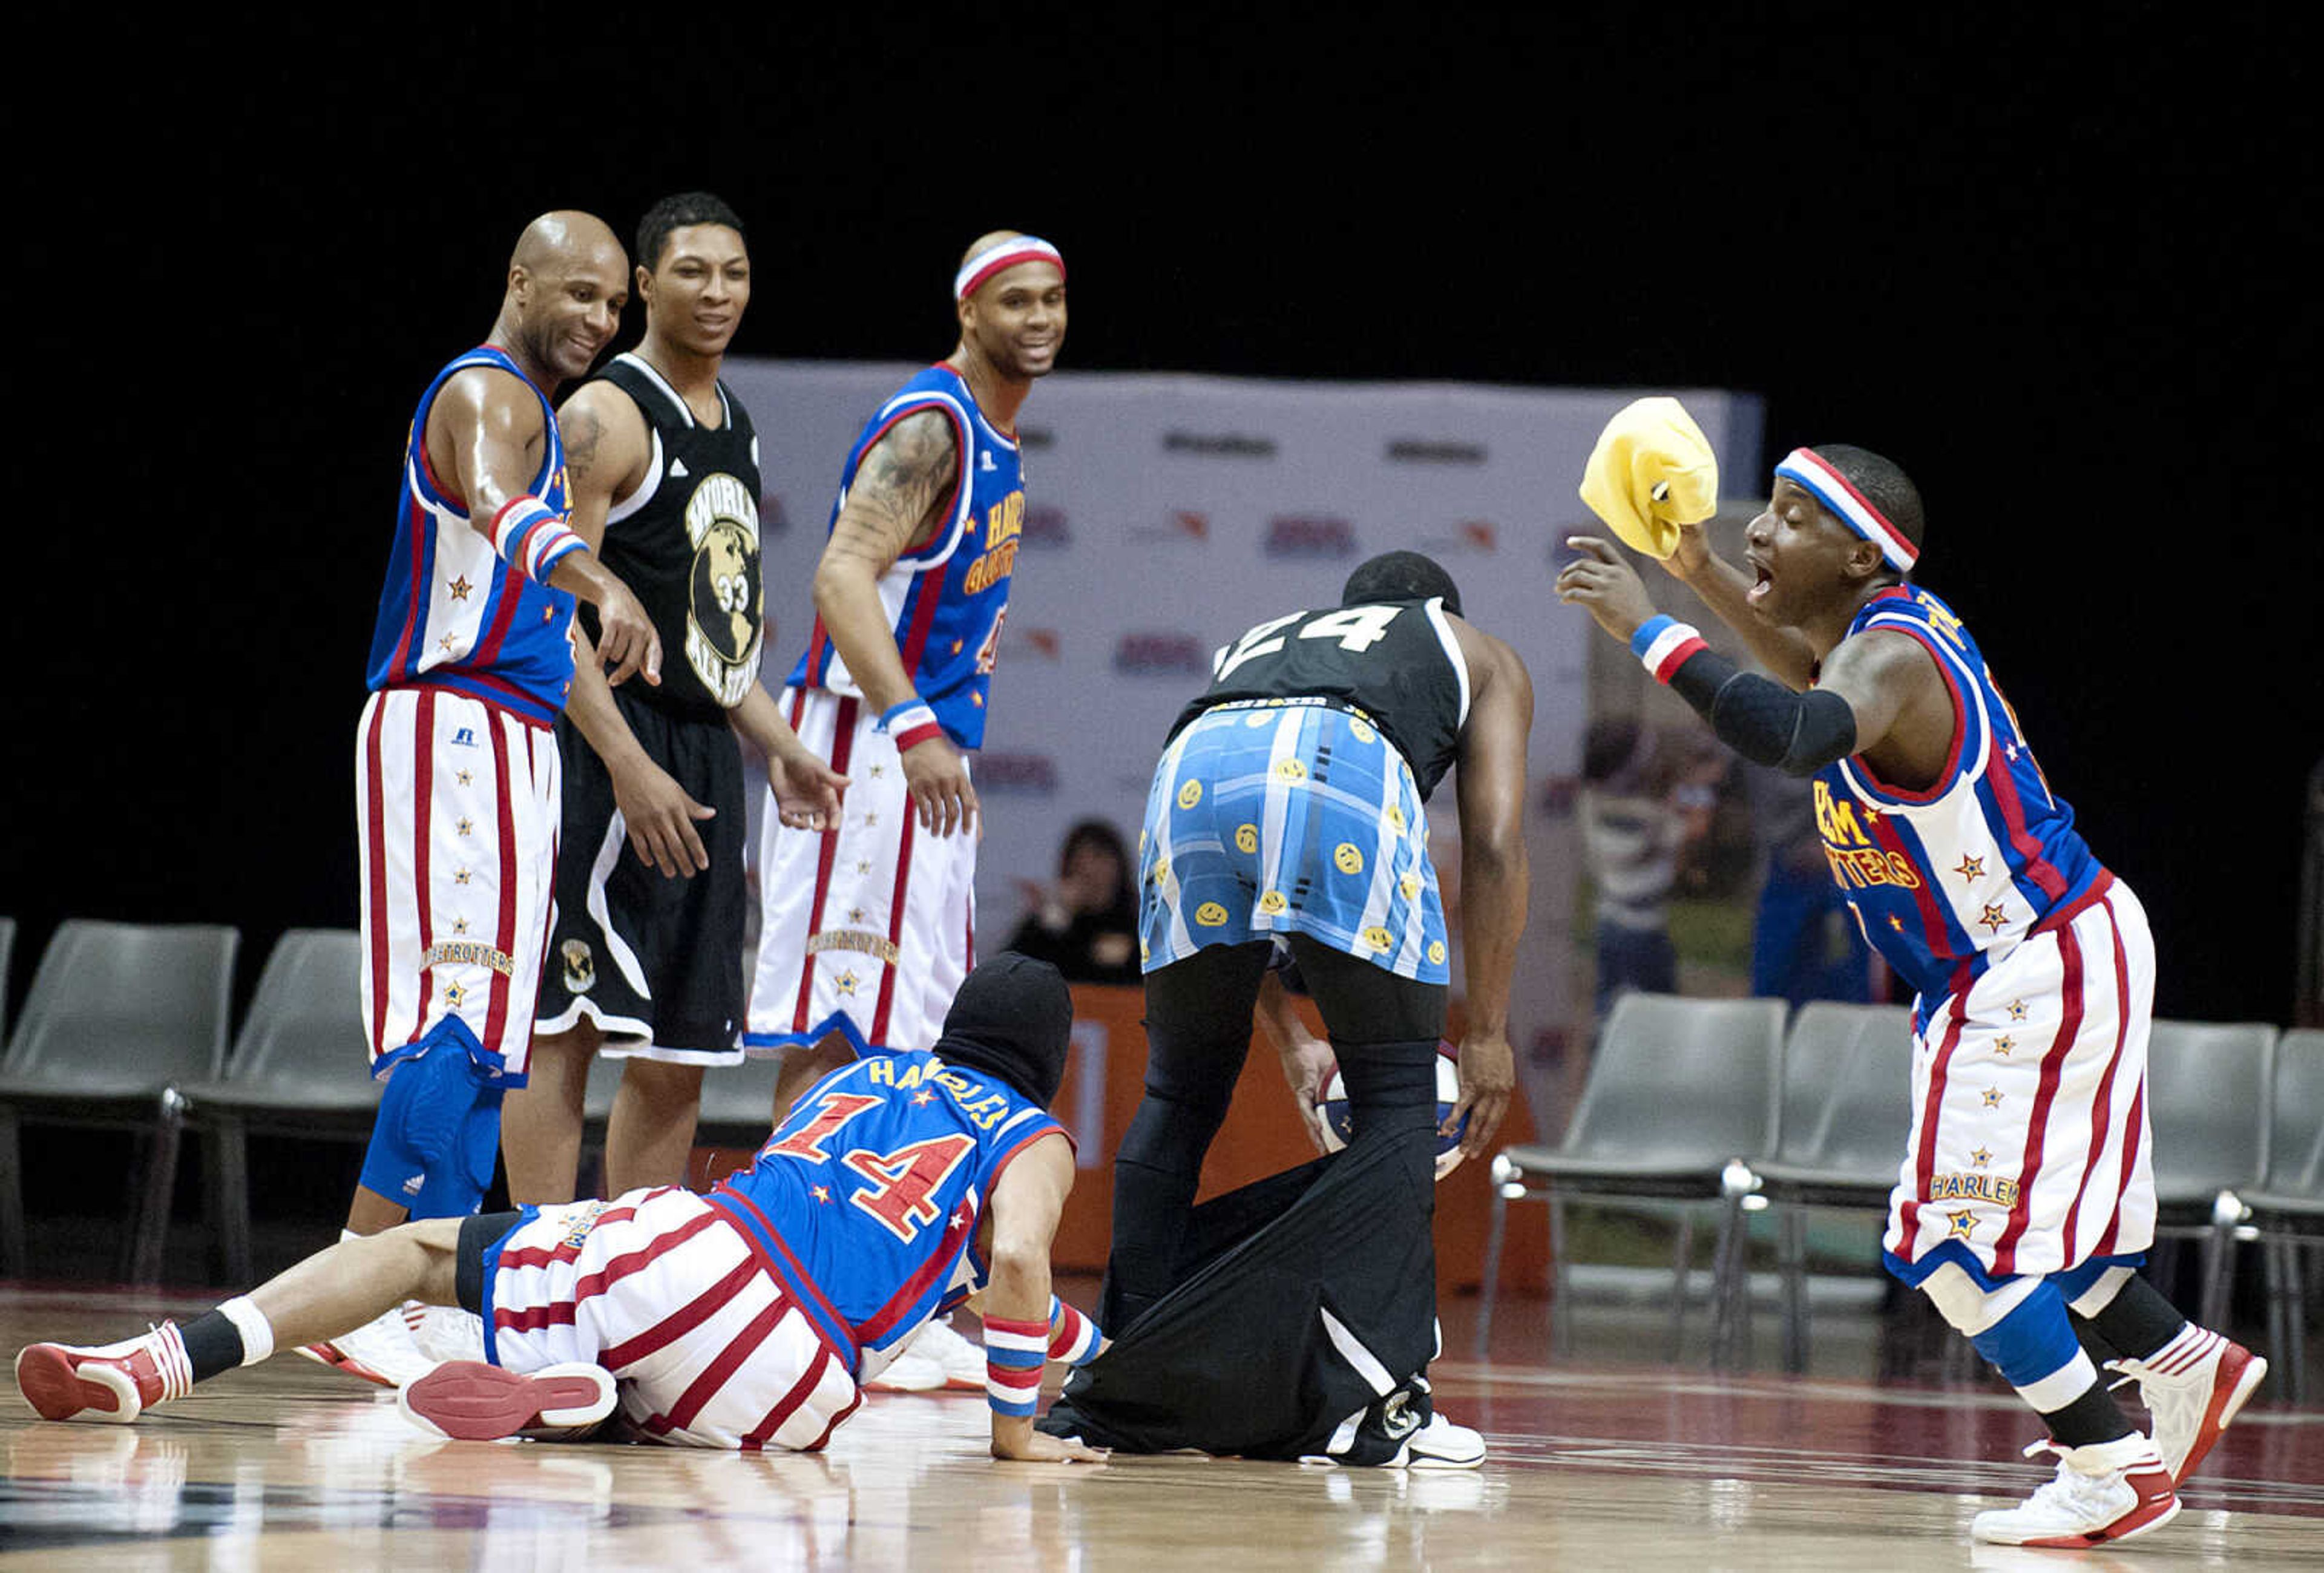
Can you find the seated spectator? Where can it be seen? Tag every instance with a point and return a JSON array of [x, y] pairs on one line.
[[1086, 924], [1640, 807]]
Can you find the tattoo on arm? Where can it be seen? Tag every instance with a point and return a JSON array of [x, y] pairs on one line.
[[897, 488], [581, 431]]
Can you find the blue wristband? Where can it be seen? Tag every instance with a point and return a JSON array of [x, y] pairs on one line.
[[1648, 632]]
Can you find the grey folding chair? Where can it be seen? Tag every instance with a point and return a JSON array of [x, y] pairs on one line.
[[1678, 1090], [2206, 1095], [738, 1103], [2284, 1212], [117, 1014], [299, 1068], [1847, 1117]]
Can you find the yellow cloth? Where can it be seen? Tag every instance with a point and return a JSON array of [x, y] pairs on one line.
[[1652, 471]]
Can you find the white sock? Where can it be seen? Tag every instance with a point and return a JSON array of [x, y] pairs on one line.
[[257, 1332]]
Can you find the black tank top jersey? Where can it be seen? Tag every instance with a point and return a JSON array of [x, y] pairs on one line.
[[687, 544], [1397, 662]]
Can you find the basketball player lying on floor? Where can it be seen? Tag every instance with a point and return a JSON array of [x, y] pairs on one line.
[[899, 1187]]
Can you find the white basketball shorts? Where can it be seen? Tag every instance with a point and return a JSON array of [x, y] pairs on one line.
[[458, 809], [708, 1349], [2030, 1149], [868, 929]]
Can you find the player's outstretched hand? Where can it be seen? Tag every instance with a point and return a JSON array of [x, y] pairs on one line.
[[626, 640], [661, 818], [1690, 555], [1032, 1447], [807, 791], [937, 777], [1489, 1074], [1604, 585]]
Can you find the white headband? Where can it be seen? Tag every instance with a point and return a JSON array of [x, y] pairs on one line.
[[1852, 507], [1007, 255]]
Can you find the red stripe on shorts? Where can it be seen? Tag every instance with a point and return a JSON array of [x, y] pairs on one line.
[[843, 745], [684, 1320], [758, 1436], [2133, 1141], [2104, 1104], [1925, 1161], [496, 1018], [720, 1371], [852, 1405], [2053, 1067], [423, 824], [375, 823], [878, 1034]]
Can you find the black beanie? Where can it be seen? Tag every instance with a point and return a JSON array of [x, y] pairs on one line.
[[1013, 1018]]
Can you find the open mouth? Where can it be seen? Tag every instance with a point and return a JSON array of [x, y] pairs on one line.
[[1762, 581]]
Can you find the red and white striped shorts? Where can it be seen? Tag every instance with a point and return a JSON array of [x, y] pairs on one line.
[[656, 1286], [870, 926], [2031, 1146], [457, 817]]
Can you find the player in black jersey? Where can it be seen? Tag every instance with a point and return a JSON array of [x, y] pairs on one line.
[[646, 956], [1289, 805]]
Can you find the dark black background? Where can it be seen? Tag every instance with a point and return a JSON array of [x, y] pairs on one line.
[[2063, 269]]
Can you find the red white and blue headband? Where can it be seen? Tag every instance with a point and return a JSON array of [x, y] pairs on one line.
[[1025, 248], [1852, 507]]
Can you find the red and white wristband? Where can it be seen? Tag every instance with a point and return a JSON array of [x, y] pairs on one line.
[[532, 538], [1014, 1354], [1074, 1338], [1662, 644], [910, 722]]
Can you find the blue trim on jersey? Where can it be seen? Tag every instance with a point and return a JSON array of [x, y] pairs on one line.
[[776, 1257], [492, 1266], [2074, 1281]]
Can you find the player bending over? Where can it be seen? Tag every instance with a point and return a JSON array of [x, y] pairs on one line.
[[747, 1317], [2026, 1201]]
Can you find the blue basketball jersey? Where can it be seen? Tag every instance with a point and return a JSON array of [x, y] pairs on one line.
[[452, 614], [945, 601], [1947, 881], [868, 1198]]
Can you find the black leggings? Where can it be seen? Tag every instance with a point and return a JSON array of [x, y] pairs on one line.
[[1198, 1023]]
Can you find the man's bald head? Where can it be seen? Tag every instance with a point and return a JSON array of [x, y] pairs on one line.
[[563, 235]]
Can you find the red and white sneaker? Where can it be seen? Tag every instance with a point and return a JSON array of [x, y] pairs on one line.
[[113, 1383], [2105, 1491], [381, 1351], [472, 1402], [2193, 1387]]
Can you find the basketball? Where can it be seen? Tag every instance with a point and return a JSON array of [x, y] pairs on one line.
[[1339, 1119]]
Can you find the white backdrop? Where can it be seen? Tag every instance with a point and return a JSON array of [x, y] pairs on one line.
[[1166, 514]]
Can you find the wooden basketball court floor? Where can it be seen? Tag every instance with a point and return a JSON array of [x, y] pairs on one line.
[[1593, 1466]]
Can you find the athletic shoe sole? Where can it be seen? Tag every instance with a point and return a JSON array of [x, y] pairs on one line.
[[2225, 1401], [2108, 1536], [472, 1402], [57, 1390]]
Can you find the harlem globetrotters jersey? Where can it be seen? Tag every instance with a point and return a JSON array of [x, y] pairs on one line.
[[687, 544], [867, 1198], [1947, 881], [452, 614], [945, 601], [1396, 663]]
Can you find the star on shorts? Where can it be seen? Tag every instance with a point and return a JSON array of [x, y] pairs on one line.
[[1964, 1224], [1992, 1096], [2004, 1044], [1981, 1157], [1994, 917], [847, 982], [2017, 1009], [460, 587], [455, 995], [1972, 869], [464, 777]]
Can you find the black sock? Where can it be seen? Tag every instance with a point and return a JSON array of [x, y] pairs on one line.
[[2138, 1321], [213, 1344], [2094, 1417]]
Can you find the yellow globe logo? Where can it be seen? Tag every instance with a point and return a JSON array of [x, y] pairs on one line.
[[1410, 886], [1210, 915], [1346, 859], [1190, 794], [1361, 733], [1161, 871], [1272, 902], [1395, 816], [1291, 770], [1378, 939], [1247, 838], [1435, 951]]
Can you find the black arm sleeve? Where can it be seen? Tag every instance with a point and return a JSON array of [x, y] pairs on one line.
[[1764, 721]]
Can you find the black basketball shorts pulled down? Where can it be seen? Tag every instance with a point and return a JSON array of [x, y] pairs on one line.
[[656, 963]]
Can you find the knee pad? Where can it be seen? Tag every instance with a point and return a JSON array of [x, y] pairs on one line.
[[436, 1133], [2020, 1327]]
